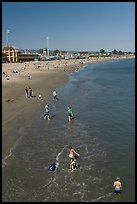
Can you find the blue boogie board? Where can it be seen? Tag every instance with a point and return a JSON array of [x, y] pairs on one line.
[[52, 167]]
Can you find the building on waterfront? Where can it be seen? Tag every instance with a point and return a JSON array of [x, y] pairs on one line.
[[9, 54]]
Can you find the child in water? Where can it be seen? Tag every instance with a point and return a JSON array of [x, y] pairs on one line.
[[73, 165], [117, 185], [72, 152], [70, 113]]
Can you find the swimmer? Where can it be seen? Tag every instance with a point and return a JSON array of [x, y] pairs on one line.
[[117, 185]]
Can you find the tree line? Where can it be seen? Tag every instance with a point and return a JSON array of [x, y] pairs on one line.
[[101, 51]]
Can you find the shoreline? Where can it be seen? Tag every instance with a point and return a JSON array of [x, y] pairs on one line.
[[45, 78]]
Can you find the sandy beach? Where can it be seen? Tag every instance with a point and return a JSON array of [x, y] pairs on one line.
[[46, 76]]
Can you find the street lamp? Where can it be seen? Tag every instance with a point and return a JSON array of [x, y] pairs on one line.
[[7, 32], [47, 47]]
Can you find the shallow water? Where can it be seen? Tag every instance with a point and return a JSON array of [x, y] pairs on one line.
[[103, 132]]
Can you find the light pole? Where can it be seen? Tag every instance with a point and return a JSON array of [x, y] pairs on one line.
[[47, 47], [7, 32]]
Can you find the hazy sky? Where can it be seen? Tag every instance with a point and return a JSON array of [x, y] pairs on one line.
[[82, 26]]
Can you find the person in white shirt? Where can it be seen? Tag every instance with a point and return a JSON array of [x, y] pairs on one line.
[[54, 95], [39, 96]]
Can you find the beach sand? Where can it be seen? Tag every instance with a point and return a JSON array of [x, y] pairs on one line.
[[16, 108]]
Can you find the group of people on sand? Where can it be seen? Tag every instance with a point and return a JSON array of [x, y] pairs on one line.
[[28, 92], [6, 75], [54, 96]]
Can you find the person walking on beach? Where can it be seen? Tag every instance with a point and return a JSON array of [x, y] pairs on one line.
[[54, 95], [7, 77], [117, 185], [70, 113], [72, 153], [39, 96], [28, 76], [47, 112], [26, 92], [46, 106], [30, 92]]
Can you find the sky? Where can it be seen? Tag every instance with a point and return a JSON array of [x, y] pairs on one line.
[[69, 26]]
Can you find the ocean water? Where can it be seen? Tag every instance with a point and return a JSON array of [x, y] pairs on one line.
[[102, 97]]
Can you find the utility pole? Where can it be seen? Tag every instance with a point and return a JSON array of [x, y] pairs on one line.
[[7, 32], [47, 47]]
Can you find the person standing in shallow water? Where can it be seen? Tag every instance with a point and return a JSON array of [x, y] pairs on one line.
[[73, 165], [47, 112], [72, 153], [117, 185], [54, 95], [70, 113]]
